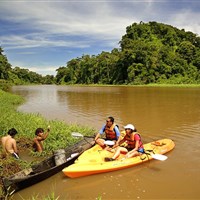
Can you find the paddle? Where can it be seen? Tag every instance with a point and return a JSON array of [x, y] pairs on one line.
[[76, 134], [156, 155], [159, 157]]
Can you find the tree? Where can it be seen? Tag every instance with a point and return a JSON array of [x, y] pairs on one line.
[[149, 53], [5, 67], [186, 51]]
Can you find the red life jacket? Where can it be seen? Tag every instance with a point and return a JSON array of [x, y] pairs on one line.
[[131, 143], [110, 133]]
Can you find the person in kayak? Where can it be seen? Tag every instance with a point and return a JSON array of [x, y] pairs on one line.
[[111, 131], [134, 144], [40, 137], [9, 143]]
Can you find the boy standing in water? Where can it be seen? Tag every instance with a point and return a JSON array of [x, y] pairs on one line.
[[9, 143], [40, 137]]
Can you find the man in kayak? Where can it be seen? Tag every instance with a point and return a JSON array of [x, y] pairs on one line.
[[40, 137], [9, 143], [134, 144], [111, 131]]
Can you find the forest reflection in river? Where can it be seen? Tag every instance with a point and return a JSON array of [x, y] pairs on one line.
[[156, 112]]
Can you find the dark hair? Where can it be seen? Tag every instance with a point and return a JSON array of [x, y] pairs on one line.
[[111, 119], [12, 132], [39, 130]]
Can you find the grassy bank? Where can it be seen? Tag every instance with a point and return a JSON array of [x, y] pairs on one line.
[[131, 85], [26, 124]]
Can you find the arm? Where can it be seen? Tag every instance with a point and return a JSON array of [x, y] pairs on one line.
[[3, 144], [136, 146], [44, 136], [119, 142], [99, 133], [97, 136], [14, 145], [137, 140], [117, 134]]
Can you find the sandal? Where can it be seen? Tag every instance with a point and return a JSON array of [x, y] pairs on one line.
[[108, 159]]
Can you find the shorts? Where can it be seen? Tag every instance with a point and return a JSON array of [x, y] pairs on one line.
[[140, 150], [15, 155]]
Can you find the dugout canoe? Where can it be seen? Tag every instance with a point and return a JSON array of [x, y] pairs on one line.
[[92, 161], [46, 168]]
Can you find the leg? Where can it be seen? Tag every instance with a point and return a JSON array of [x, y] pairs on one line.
[[133, 154], [100, 142], [118, 151]]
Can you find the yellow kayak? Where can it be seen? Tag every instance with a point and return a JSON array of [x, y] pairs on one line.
[[92, 160]]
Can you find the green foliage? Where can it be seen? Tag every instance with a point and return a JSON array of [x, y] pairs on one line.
[[23, 76], [48, 197], [4, 85], [19, 76], [43, 197], [5, 67], [149, 53]]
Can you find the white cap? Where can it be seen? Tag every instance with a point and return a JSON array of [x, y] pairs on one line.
[[129, 126]]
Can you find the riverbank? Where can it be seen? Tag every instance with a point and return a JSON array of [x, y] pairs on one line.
[[129, 85], [26, 124]]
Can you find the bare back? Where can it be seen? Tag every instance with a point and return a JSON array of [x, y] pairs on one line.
[[10, 145], [3, 141]]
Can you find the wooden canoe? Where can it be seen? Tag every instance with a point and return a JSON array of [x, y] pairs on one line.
[[92, 160], [47, 167]]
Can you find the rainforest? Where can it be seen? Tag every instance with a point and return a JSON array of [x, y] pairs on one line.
[[149, 53]]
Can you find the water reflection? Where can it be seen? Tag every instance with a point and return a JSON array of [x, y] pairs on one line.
[[147, 108]]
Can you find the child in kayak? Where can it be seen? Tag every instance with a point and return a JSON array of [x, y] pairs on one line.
[[134, 144]]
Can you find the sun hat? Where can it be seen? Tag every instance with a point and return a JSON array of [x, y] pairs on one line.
[[129, 126]]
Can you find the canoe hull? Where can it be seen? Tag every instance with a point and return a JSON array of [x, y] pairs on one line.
[[92, 160], [45, 169]]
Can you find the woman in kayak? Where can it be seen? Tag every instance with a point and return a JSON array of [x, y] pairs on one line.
[[111, 131], [134, 144]]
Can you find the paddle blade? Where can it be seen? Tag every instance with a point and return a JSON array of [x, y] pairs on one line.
[[76, 134], [74, 155], [159, 157]]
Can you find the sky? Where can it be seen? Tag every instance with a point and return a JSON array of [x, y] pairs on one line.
[[43, 35]]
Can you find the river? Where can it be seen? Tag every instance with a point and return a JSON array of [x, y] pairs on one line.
[[156, 112]]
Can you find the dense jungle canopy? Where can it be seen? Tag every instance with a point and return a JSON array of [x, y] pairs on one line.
[[148, 53], [19, 76]]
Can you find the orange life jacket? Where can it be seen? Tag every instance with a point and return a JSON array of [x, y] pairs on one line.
[[110, 133], [131, 143]]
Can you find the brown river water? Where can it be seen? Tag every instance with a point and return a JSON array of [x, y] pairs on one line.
[[156, 112]]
